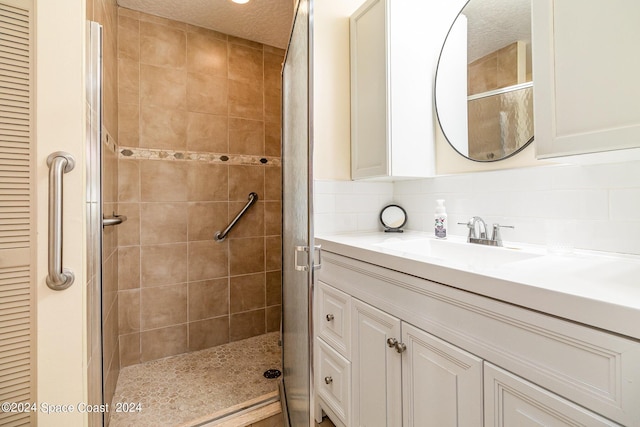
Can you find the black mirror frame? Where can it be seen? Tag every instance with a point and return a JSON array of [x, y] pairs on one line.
[[388, 229]]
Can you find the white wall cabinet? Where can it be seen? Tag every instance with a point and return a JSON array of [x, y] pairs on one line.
[[422, 354], [586, 91], [392, 65]]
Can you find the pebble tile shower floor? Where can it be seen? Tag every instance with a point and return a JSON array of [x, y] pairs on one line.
[[179, 390]]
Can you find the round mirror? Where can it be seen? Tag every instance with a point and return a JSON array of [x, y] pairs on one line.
[[393, 218], [484, 85]]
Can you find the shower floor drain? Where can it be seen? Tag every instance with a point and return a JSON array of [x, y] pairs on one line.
[[272, 373]]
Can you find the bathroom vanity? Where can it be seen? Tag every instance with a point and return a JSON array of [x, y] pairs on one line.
[[415, 331]]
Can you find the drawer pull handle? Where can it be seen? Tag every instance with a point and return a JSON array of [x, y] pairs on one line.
[[330, 317], [328, 380], [392, 342]]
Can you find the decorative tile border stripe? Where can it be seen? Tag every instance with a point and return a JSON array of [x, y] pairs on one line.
[[108, 140], [171, 155]]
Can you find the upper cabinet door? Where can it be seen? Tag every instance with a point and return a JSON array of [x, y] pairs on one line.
[[393, 58], [586, 61], [369, 125]]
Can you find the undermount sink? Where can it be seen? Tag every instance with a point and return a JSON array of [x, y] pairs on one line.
[[458, 252]]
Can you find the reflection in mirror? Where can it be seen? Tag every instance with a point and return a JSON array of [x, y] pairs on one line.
[[484, 85], [393, 218]]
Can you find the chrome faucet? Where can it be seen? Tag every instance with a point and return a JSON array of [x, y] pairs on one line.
[[478, 232]]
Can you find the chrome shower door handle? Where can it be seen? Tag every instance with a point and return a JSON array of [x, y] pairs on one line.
[[296, 251], [59, 163], [318, 265]]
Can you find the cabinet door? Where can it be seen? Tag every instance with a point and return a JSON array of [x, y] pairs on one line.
[[511, 401], [586, 87], [376, 368], [442, 384], [369, 120], [393, 57]]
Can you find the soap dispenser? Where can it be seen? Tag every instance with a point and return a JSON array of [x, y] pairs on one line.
[[440, 220]]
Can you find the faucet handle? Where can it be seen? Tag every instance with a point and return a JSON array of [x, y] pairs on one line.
[[496, 237], [471, 227]]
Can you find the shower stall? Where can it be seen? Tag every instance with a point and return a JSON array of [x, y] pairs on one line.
[[185, 125]]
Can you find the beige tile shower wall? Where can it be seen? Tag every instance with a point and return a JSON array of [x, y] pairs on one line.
[[187, 89], [496, 70], [104, 364]]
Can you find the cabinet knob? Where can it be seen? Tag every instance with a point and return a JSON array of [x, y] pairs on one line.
[[399, 346], [328, 380], [329, 317]]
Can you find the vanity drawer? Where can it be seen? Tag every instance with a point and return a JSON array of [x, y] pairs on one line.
[[334, 318], [333, 381], [510, 400]]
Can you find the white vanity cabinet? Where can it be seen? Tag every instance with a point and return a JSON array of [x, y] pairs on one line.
[[586, 90], [400, 375], [403, 376], [392, 61], [425, 354]]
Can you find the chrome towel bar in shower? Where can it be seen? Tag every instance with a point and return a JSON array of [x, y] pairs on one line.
[[221, 235], [59, 163]]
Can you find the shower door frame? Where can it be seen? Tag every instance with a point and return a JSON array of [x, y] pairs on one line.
[[94, 190], [305, 249]]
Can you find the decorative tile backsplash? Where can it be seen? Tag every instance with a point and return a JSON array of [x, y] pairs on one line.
[[593, 207]]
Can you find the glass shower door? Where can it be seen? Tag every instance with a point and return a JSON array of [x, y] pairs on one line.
[[297, 225]]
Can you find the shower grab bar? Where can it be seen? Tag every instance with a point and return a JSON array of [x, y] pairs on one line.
[[221, 235], [59, 163], [114, 220]]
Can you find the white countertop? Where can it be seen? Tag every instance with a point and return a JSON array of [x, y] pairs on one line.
[[595, 288]]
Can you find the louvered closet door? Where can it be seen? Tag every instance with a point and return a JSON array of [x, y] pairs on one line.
[[17, 232]]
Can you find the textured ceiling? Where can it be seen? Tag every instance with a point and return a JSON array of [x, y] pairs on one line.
[[264, 21], [493, 24]]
